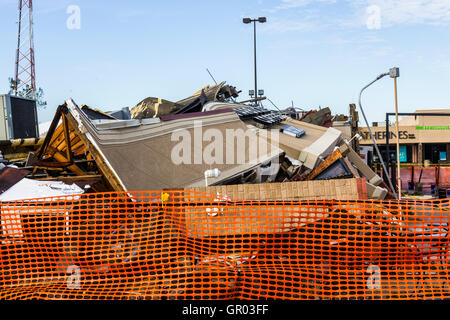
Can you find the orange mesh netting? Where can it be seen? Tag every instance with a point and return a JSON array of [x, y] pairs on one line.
[[186, 245]]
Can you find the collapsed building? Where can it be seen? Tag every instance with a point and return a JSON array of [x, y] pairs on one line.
[[134, 150], [290, 220]]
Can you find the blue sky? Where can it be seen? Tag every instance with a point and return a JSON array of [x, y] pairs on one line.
[[314, 52]]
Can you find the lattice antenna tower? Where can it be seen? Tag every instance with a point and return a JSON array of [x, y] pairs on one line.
[[25, 77]]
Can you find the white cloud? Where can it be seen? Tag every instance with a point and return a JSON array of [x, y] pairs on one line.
[[354, 13], [277, 25], [410, 12], [286, 4], [290, 4]]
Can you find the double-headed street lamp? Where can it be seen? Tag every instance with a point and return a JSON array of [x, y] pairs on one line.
[[247, 21]]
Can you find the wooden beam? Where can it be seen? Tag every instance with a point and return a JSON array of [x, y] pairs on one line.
[[101, 163], [67, 138], [74, 168], [328, 161], [73, 179], [49, 168], [51, 130], [254, 100], [11, 157]]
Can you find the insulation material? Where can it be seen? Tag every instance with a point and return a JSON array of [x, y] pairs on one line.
[[154, 107]]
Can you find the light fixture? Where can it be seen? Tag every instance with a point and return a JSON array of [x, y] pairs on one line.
[[247, 21], [393, 73], [357, 136], [214, 173]]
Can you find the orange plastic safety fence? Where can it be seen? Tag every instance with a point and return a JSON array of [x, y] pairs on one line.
[[186, 245]]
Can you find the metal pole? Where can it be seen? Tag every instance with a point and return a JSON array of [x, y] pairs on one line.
[[371, 134], [33, 72], [211, 76], [399, 180], [256, 78], [388, 136]]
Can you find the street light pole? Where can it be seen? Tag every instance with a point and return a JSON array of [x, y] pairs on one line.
[[395, 73], [256, 77], [247, 21]]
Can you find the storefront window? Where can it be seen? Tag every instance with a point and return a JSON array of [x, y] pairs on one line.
[[406, 153], [435, 153], [403, 154]]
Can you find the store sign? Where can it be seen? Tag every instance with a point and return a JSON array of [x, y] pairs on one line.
[[433, 128], [381, 135]]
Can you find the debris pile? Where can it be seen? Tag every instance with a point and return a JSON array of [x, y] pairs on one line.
[[245, 197], [164, 145]]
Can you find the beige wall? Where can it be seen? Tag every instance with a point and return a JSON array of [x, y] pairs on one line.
[[413, 130], [344, 128]]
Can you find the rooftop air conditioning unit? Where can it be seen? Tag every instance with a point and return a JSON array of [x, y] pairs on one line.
[[18, 118]]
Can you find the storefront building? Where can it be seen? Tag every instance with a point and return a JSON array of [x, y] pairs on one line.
[[423, 139]]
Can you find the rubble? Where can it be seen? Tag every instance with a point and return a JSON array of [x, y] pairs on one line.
[[320, 118], [155, 107], [32, 189], [235, 214], [342, 189], [132, 150], [14, 186]]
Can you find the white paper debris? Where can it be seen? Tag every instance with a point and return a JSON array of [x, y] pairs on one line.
[[32, 189]]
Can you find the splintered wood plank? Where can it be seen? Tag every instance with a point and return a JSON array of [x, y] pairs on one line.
[[101, 164], [324, 165]]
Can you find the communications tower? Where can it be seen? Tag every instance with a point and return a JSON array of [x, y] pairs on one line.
[[25, 66]]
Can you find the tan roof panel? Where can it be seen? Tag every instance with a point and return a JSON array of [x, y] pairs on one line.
[[141, 157]]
